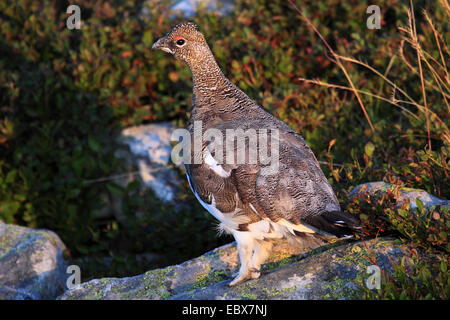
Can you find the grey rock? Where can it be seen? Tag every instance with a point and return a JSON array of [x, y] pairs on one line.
[[150, 153], [402, 194], [145, 151], [215, 265], [333, 271], [31, 263], [187, 8]]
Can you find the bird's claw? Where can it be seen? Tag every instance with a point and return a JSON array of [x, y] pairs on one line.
[[251, 273]]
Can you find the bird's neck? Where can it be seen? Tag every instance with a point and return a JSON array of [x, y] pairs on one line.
[[206, 75], [211, 88]]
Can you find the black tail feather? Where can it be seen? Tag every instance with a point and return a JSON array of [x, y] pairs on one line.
[[337, 223]]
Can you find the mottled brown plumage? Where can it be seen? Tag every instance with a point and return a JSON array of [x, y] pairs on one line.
[[296, 201]]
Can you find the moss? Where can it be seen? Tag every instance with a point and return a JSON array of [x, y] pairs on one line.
[[201, 281], [118, 288], [94, 294], [89, 285], [220, 275], [279, 255], [164, 295], [354, 256], [15, 235], [291, 289], [8, 240], [202, 276], [156, 282], [98, 294], [208, 278], [246, 291], [338, 288], [249, 296], [105, 281], [221, 251], [274, 265], [270, 293], [95, 290]]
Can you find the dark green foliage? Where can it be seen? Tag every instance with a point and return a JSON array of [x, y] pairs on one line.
[[64, 95], [414, 278]]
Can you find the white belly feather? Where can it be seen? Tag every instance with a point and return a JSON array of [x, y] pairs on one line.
[[263, 229], [230, 220]]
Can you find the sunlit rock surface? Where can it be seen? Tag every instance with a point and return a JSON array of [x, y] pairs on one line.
[[333, 271], [31, 263]]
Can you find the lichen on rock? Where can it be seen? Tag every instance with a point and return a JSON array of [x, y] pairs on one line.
[[328, 272]]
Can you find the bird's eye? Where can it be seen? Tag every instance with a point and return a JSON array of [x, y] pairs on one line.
[[181, 42]]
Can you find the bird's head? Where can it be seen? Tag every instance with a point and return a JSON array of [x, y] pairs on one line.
[[185, 42]]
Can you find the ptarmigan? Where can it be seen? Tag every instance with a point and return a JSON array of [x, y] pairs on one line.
[[256, 207]]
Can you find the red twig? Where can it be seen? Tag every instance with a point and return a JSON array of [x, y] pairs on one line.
[[372, 258]]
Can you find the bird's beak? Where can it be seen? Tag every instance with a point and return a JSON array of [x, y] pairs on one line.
[[161, 44]]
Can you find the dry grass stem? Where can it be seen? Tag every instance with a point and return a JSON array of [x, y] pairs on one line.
[[337, 61]]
